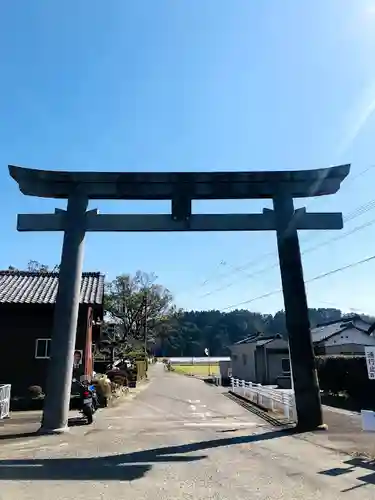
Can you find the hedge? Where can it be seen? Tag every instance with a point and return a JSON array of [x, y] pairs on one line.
[[346, 375]]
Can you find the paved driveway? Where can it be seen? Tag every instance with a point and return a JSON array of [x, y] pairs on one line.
[[179, 439]]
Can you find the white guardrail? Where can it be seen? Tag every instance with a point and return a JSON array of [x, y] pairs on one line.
[[276, 400], [4, 400]]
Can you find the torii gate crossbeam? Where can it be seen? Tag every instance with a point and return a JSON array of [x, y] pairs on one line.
[[181, 188]]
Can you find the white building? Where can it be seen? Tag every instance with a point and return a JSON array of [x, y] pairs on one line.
[[347, 335]]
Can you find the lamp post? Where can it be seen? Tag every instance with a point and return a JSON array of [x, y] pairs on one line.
[[145, 323], [207, 353]]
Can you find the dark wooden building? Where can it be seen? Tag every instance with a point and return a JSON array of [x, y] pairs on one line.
[[27, 301]]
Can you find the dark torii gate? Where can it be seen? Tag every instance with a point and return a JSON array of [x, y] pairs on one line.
[[180, 188]]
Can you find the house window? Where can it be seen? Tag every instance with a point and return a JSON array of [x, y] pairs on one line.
[[244, 359], [285, 365], [234, 357], [42, 348]]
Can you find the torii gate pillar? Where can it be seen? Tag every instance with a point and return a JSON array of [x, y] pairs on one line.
[[305, 380], [55, 414]]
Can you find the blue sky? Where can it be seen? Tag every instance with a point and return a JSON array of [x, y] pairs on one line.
[[194, 85]]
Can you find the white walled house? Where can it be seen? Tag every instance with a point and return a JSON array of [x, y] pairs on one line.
[[347, 336], [262, 359], [242, 359], [265, 359]]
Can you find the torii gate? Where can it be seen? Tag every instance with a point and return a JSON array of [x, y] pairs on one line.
[[180, 188]]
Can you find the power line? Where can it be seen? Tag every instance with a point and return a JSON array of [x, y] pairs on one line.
[[348, 217], [340, 236], [362, 209], [362, 172], [311, 249], [344, 307], [207, 280], [315, 278], [345, 184], [246, 265]]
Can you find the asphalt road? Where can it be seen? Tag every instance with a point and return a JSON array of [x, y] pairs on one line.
[[178, 439]]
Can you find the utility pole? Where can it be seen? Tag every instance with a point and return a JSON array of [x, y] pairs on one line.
[[145, 322]]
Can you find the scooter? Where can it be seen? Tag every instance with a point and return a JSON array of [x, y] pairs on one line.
[[88, 400]]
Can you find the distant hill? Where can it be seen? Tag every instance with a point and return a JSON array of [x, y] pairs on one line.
[[193, 331]]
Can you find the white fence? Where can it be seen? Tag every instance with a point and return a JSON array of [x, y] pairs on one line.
[[276, 400], [206, 360], [4, 401]]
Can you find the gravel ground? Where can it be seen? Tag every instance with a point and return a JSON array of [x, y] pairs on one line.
[[344, 433]]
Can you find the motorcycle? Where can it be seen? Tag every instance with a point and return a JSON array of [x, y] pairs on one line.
[[88, 400]]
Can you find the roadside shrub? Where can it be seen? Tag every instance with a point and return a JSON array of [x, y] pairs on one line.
[[344, 375], [120, 380], [120, 377], [332, 375], [35, 392], [103, 386], [137, 355]]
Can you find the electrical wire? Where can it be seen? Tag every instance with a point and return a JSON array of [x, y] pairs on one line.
[[362, 209], [347, 218], [243, 267], [343, 308], [315, 278]]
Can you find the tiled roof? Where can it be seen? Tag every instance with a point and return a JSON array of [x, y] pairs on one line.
[[24, 287], [247, 340], [258, 338], [350, 317], [276, 343], [325, 331], [262, 342], [356, 319]]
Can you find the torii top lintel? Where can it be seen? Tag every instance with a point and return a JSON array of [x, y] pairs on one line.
[[169, 185]]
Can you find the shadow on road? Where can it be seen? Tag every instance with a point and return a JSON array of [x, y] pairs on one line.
[[20, 434], [352, 465], [125, 467]]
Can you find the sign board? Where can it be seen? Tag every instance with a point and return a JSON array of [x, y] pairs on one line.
[[368, 420], [370, 361]]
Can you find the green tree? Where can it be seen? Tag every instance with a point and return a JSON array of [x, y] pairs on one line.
[[136, 303]]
